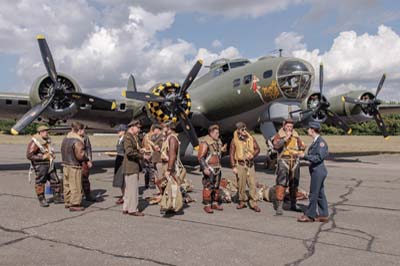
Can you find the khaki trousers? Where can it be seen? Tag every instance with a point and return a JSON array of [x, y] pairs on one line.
[[246, 176], [72, 185], [160, 170], [131, 193]]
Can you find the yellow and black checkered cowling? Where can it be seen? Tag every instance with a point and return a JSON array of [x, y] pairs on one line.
[[159, 111]]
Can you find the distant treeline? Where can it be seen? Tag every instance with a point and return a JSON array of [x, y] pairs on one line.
[[392, 122], [6, 125]]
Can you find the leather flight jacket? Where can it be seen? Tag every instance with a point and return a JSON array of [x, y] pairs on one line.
[[69, 152], [209, 154], [35, 155]]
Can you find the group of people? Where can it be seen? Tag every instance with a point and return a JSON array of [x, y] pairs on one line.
[[76, 155], [158, 153]]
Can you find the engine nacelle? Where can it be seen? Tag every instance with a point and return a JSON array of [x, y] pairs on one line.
[[61, 108], [351, 113], [311, 102], [166, 111]]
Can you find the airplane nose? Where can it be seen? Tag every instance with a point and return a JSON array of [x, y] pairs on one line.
[[295, 79]]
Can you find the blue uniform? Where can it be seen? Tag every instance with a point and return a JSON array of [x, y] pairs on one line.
[[316, 155]]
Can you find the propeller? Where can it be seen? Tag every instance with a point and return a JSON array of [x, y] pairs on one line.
[[57, 92], [172, 101], [143, 96], [322, 107], [370, 106]]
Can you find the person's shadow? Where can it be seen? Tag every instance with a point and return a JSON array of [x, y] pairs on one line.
[[98, 194]]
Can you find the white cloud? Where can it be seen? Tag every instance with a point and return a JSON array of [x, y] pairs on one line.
[[345, 87], [347, 13], [100, 53], [101, 44], [356, 58], [289, 42], [227, 8], [216, 44]]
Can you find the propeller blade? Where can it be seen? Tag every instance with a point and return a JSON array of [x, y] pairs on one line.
[[381, 124], [337, 121], [191, 76], [321, 79], [96, 102], [47, 59], [30, 116], [143, 96], [380, 85], [188, 127], [297, 111], [131, 84]]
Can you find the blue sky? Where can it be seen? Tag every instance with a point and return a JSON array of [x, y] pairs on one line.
[[106, 40]]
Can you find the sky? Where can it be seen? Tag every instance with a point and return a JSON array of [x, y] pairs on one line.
[[101, 42]]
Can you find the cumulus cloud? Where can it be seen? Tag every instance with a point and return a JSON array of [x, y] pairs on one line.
[[347, 13], [102, 42], [216, 44], [100, 47], [289, 42], [345, 87], [356, 58], [227, 8]]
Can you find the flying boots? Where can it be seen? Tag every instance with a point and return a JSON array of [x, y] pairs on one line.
[[42, 201], [280, 195], [293, 200]]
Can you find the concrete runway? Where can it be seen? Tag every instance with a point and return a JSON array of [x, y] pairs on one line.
[[364, 226]]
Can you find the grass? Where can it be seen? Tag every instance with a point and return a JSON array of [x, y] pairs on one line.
[[337, 144]]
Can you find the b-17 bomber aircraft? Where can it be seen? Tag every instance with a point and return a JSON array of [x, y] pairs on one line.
[[260, 93]]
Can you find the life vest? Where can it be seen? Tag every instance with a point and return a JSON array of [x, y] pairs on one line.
[[165, 146], [291, 147], [243, 147]]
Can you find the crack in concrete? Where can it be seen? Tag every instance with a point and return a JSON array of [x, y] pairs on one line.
[[348, 234], [372, 207], [311, 242], [308, 243], [229, 227], [13, 241], [28, 235], [104, 252], [17, 196], [392, 181]]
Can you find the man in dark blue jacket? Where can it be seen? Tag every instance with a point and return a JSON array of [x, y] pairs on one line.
[[316, 155]]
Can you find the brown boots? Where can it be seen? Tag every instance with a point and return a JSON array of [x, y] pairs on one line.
[[280, 195]]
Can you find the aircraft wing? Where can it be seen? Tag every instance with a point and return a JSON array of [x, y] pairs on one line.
[[13, 105], [389, 108]]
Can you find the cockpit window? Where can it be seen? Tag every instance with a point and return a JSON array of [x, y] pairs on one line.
[[238, 64], [294, 79], [292, 67], [218, 71]]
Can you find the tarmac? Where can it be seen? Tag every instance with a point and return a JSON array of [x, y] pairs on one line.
[[363, 228]]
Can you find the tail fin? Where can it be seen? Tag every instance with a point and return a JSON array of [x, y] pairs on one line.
[[131, 84]]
